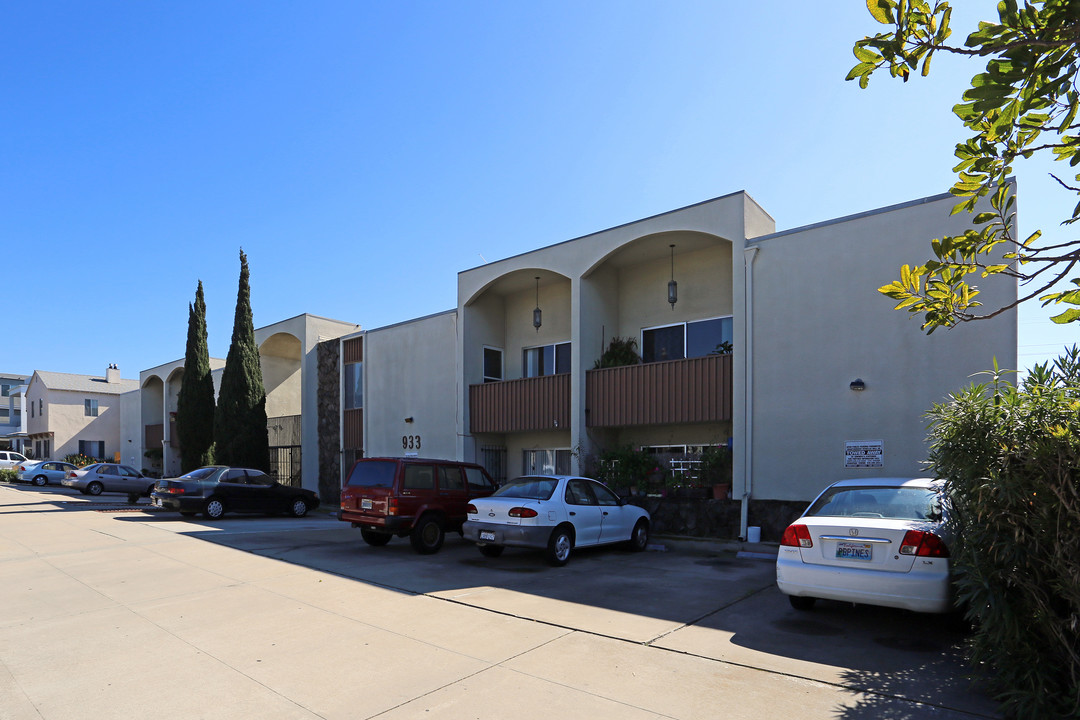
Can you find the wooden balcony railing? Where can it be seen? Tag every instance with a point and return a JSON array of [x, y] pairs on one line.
[[676, 391], [540, 403]]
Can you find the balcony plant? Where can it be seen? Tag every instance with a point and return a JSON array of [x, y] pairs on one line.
[[620, 352]]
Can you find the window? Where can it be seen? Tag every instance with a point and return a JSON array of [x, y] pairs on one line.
[[92, 448], [31, 409], [578, 492], [478, 482], [90, 408], [44, 448], [450, 478], [493, 458], [493, 364], [686, 340], [419, 477], [40, 406], [354, 385], [5, 390], [545, 360], [546, 462], [235, 475]]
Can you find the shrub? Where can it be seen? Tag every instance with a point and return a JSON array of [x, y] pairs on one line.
[[620, 351], [1011, 457], [80, 460], [8, 475], [624, 467]]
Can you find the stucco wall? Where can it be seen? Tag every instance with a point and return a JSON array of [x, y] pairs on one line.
[[409, 372], [819, 323]]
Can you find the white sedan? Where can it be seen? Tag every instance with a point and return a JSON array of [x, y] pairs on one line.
[[555, 513], [878, 541]]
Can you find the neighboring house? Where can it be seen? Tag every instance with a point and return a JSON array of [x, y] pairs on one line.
[[823, 381], [287, 354], [68, 414], [12, 422]]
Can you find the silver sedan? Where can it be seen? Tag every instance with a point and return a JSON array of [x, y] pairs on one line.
[[43, 472]]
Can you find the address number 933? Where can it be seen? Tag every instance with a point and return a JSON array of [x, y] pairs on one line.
[[410, 442]]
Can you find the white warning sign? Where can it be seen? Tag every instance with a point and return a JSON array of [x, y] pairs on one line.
[[864, 454]]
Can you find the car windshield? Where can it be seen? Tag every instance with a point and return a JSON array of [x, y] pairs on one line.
[[530, 488], [898, 503], [377, 473], [199, 474]]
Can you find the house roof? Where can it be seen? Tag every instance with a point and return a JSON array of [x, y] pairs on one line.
[[85, 383]]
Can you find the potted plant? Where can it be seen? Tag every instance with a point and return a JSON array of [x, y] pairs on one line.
[[716, 467]]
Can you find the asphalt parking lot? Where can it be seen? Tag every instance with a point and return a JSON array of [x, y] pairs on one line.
[[108, 607]]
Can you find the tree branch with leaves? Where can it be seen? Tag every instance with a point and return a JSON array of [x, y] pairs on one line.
[[1024, 104]]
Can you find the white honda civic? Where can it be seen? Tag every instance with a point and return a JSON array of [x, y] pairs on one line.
[[556, 513], [878, 541]]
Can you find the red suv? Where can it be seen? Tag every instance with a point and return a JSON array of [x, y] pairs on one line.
[[421, 499]]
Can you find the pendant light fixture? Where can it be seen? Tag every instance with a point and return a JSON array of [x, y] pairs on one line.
[[672, 286], [536, 310]]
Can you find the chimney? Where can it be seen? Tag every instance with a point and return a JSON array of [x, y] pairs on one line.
[[112, 374]]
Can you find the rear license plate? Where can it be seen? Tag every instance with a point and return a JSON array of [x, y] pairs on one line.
[[490, 536], [365, 504], [854, 551]]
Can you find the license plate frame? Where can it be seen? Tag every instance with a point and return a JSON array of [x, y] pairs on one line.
[[366, 504], [857, 551], [487, 536]]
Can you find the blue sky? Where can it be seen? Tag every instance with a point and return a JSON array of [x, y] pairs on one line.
[[364, 153]]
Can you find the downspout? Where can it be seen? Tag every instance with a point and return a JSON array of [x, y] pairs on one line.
[[748, 358]]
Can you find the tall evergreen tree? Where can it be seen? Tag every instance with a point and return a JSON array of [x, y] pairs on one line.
[[240, 435], [195, 405]]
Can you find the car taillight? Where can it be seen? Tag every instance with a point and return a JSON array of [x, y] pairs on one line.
[[72, 474], [471, 509], [392, 506], [522, 512], [174, 490], [21, 468], [923, 544], [797, 536]]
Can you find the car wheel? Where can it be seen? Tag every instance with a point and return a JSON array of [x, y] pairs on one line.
[[427, 536], [214, 509], [559, 547], [41, 480], [375, 538], [149, 490], [800, 602], [639, 538], [298, 509], [94, 488], [188, 513], [491, 550]]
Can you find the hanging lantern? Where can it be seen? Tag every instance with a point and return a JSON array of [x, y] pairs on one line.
[[536, 310], [672, 286]]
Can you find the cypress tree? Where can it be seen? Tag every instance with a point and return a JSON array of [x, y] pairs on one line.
[[240, 435], [195, 405]]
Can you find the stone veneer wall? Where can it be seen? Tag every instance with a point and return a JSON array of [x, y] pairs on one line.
[[329, 356], [718, 518]]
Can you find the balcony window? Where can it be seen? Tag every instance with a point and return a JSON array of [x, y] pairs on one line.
[[493, 364], [545, 360], [686, 340]]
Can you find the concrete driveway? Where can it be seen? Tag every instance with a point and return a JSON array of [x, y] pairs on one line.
[[112, 611]]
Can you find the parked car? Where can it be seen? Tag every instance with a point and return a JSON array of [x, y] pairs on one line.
[[9, 459], [216, 489], [557, 514], [411, 497], [97, 478], [43, 472], [875, 541]]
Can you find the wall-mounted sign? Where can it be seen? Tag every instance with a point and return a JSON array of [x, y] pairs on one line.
[[864, 454]]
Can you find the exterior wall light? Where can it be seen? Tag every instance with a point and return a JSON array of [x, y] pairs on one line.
[[672, 286], [536, 310], [857, 385]]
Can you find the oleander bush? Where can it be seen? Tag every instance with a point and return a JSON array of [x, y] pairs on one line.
[[80, 460], [1010, 454]]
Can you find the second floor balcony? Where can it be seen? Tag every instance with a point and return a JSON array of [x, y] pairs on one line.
[[528, 404]]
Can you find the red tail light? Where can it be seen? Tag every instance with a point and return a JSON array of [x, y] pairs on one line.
[[797, 536], [923, 544], [391, 506], [471, 509], [72, 474], [522, 512], [174, 490], [21, 468]]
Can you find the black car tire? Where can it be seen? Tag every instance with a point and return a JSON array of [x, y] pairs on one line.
[[214, 509], [560, 546], [492, 551], [94, 488], [298, 508], [800, 602], [40, 480], [149, 490], [639, 538], [375, 538], [427, 535]]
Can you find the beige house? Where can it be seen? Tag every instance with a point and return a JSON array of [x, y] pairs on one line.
[[12, 422], [287, 354], [776, 344], [68, 414]]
